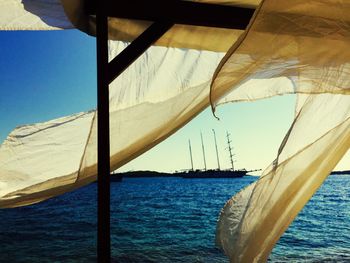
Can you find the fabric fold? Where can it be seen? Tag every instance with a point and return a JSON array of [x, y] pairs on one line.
[[302, 49], [33, 15], [252, 221], [162, 91]]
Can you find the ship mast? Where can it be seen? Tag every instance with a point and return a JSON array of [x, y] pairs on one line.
[[189, 145], [216, 148], [230, 149], [205, 163]]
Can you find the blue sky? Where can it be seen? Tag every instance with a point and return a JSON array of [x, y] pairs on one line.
[[45, 75]]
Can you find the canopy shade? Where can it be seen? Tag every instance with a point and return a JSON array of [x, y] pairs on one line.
[[289, 47], [181, 35]]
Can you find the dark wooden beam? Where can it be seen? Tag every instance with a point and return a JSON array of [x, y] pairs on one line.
[[136, 48], [106, 73], [178, 12], [103, 148]]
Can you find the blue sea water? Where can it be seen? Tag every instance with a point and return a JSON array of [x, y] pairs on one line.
[[168, 220]]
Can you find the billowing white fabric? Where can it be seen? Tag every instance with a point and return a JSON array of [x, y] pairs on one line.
[[38, 157], [302, 49], [305, 42], [32, 15], [163, 90], [252, 221], [170, 89]]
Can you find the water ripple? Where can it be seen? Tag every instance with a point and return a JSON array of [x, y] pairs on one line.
[[168, 220]]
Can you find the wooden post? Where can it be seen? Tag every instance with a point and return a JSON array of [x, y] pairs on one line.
[[103, 150]]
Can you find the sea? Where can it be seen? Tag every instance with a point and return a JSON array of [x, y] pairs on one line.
[[168, 220]]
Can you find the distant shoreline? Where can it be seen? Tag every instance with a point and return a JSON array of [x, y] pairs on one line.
[[183, 174], [142, 174]]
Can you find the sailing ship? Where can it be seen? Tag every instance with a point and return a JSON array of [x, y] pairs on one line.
[[213, 173], [192, 173]]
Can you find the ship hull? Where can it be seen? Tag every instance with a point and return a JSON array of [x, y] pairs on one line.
[[212, 174]]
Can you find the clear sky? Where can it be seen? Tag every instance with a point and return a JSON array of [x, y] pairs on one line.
[[45, 75]]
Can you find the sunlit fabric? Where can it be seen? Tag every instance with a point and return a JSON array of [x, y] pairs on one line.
[[33, 15], [302, 48], [171, 88], [252, 221], [38, 161], [163, 90]]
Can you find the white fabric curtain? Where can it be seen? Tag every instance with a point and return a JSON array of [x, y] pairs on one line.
[[290, 47], [163, 90], [33, 15]]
